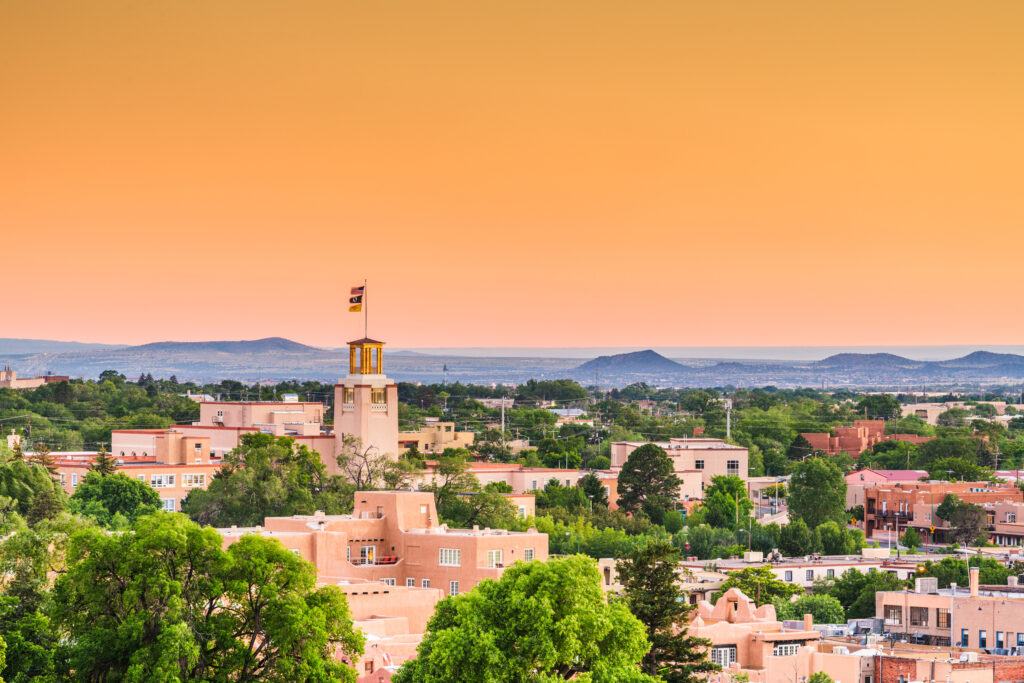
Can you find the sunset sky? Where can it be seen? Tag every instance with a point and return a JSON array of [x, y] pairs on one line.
[[513, 173]]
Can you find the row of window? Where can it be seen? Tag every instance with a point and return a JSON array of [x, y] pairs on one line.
[[919, 616], [446, 557], [724, 655], [453, 586], [983, 639], [157, 481], [809, 574], [732, 467]]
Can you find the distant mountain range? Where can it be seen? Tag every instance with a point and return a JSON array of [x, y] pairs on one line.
[[277, 358]]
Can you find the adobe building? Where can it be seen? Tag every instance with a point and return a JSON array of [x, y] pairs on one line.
[[394, 538], [859, 480], [989, 618], [895, 507], [434, 437], [695, 461], [856, 439], [365, 413], [804, 571], [9, 380]]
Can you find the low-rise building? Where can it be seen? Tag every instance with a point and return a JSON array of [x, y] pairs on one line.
[[9, 380], [695, 461], [434, 437], [856, 439], [895, 507], [804, 571], [859, 480], [394, 538], [981, 617]]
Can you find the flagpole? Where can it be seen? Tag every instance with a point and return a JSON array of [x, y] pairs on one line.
[[366, 311]]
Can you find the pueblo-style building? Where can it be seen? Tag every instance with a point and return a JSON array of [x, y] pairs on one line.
[[394, 562], [695, 461], [365, 411], [856, 439], [9, 380]]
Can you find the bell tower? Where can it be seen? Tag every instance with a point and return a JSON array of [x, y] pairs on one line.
[[366, 401]]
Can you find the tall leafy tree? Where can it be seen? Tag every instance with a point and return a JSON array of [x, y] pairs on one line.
[[167, 603], [648, 483], [817, 492], [594, 489], [268, 477], [824, 608], [726, 502], [855, 590], [541, 621], [651, 591], [104, 497]]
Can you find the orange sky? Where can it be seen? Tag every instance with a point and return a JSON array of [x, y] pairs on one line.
[[513, 173]]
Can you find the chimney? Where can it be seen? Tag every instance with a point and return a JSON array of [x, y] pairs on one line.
[[975, 572], [808, 622]]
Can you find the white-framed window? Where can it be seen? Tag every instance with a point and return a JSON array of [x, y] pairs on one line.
[[528, 554], [410, 583], [142, 478], [1011, 517], [388, 581], [698, 464], [788, 576], [167, 504], [810, 575], [786, 649], [198, 447], [425, 583], [533, 485], [296, 552], [732, 468], [449, 557], [522, 510], [220, 413], [74, 479], [367, 554], [193, 480], [493, 559], [161, 481], [453, 588], [830, 573], [62, 479], [723, 655]]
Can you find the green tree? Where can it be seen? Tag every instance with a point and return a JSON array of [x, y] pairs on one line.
[[817, 492], [910, 539], [879, 407], [758, 584], [824, 608], [954, 417], [957, 469], [799, 449], [167, 603], [819, 677], [103, 464], [651, 591], [593, 489], [102, 497], [796, 539], [947, 507], [648, 483], [268, 477], [726, 503], [541, 621], [835, 539], [969, 523], [856, 590]]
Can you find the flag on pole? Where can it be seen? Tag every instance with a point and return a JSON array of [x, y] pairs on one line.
[[356, 300]]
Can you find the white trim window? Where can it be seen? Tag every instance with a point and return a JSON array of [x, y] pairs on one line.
[[410, 583], [528, 554], [723, 655], [161, 481], [453, 588], [425, 583], [786, 649], [494, 559], [168, 504], [449, 557], [389, 581], [191, 481]]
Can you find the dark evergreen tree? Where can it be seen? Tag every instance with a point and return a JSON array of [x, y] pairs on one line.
[[651, 591], [648, 482]]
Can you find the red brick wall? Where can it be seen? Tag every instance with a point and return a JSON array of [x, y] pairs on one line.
[[889, 669], [1011, 669]]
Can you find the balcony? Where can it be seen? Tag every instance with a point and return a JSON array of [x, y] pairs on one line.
[[375, 561]]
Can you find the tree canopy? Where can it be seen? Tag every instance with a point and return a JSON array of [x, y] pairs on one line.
[[648, 483], [104, 497], [817, 492], [167, 603], [541, 621]]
